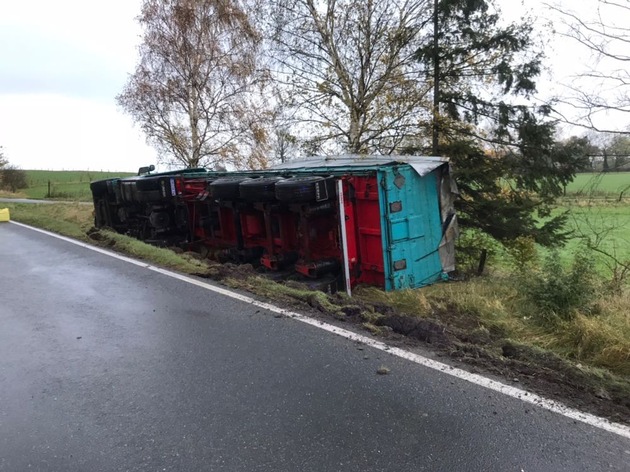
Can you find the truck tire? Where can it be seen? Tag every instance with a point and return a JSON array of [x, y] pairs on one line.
[[305, 189], [226, 188], [259, 190]]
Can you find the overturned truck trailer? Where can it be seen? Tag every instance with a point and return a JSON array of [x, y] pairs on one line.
[[346, 220]]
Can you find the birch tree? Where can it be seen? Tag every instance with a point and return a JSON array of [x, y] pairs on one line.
[[194, 92]]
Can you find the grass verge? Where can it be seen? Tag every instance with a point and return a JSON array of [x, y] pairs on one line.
[[487, 322]]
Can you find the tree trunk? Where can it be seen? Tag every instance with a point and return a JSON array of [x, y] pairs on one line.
[[482, 261]]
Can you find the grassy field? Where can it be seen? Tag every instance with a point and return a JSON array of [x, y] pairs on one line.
[[609, 185], [64, 185], [606, 225]]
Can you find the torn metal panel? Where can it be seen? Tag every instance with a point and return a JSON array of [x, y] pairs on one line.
[[450, 228]]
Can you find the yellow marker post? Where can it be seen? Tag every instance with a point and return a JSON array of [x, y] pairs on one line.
[[4, 215]]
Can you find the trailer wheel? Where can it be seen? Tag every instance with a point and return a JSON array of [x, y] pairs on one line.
[[226, 188], [305, 189], [259, 190]]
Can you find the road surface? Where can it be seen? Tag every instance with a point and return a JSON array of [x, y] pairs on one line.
[[107, 366]]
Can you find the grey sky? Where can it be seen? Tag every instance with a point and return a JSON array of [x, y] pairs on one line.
[[61, 65], [32, 62]]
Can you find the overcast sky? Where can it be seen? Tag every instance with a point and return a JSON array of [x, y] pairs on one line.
[[62, 63]]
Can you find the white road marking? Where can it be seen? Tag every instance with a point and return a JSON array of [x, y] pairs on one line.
[[528, 397]]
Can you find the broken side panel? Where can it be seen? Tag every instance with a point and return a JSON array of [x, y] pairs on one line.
[[450, 230]]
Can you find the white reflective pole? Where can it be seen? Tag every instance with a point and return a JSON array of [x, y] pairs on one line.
[[344, 237]]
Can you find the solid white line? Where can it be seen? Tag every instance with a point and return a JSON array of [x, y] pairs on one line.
[[528, 397]]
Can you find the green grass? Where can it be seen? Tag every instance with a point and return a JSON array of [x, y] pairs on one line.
[[606, 225], [64, 185], [594, 184]]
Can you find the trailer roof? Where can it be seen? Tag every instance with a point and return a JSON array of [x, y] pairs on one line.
[[421, 164]]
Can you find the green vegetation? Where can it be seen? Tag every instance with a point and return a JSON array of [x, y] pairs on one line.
[[543, 309], [65, 185]]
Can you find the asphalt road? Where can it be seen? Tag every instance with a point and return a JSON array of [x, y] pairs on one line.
[[106, 366]]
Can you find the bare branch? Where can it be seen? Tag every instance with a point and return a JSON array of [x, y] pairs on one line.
[[351, 68], [605, 88]]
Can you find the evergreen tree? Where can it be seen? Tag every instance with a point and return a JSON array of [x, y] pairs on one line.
[[508, 167]]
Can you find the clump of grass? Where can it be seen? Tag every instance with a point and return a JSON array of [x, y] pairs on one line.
[[372, 328], [601, 341], [410, 302]]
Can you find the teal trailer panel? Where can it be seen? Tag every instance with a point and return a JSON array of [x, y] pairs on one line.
[[411, 224]]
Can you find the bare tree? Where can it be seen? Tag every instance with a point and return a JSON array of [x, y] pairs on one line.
[[195, 91], [351, 65], [602, 30]]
